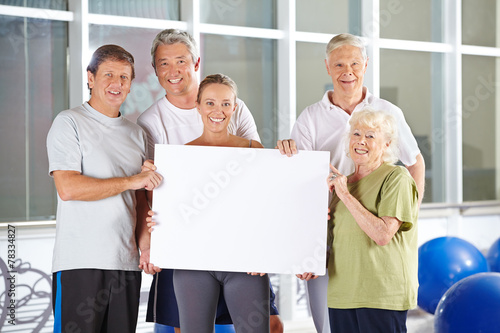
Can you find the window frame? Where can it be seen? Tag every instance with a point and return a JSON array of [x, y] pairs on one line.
[[79, 20]]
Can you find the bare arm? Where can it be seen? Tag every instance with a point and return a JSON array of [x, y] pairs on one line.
[[379, 229], [417, 171], [141, 230], [72, 185], [143, 234]]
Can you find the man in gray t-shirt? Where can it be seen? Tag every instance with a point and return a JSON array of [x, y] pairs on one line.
[[95, 156]]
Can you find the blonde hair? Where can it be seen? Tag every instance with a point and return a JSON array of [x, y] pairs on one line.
[[381, 121], [217, 79]]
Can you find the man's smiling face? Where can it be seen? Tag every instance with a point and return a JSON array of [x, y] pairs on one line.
[[347, 68], [176, 70]]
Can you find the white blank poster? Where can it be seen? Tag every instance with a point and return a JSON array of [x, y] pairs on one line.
[[240, 209]]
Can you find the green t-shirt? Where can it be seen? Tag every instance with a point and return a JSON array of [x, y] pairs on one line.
[[363, 274]]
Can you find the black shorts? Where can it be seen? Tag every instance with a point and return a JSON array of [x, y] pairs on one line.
[[94, 300], [367, 320]]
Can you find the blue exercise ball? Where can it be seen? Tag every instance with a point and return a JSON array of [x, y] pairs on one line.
[[470, 305], [442, 262], [493, 256]]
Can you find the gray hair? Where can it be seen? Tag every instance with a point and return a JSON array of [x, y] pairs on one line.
[[381, 121], [174, 36], [345, 39]]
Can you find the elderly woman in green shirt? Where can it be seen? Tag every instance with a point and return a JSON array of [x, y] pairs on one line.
[[373, 276]]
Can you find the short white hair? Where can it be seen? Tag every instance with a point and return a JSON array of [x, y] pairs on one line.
[[345, 39], [379, 120]]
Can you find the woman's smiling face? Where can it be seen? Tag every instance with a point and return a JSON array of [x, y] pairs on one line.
[[367, 146], [216, 106]]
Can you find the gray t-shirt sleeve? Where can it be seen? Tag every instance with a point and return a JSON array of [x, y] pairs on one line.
[[63, 145], [151, 140]]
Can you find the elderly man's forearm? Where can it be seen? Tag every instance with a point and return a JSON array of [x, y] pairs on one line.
[[417, 171]]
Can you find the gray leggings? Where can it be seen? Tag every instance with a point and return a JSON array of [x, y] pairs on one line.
[[197, 293], [317, 292]]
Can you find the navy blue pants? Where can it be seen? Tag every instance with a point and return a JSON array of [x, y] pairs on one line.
[[365, 320]]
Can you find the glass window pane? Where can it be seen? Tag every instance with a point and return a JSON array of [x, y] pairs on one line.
[[411, 20], [312, 78], [46, 4], [480, 123], [145, 88], [251, 63], [156, 9], [408, 80], [246, 13], [33, 86], [331, 17], [479, 22]]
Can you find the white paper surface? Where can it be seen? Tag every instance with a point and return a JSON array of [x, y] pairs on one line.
[[240, 209]]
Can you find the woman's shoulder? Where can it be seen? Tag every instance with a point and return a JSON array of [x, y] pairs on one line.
[[245, 143], [399, 170], [255, 144], [195, 142], [396, 173], [388, 171], [234, 141]]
